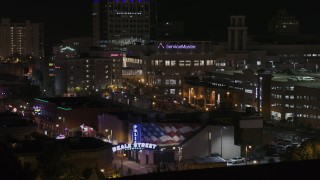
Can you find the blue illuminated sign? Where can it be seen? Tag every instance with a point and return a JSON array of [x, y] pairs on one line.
[[136, 133]]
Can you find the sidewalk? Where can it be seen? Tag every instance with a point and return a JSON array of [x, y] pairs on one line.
[[135, 167]]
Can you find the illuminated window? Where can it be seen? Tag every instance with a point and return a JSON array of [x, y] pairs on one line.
[[196, 62], [209, 62], [173, 62]]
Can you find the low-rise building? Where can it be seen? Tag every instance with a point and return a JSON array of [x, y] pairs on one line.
[[82, 153], [58, 115]]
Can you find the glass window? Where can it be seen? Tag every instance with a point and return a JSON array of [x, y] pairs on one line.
[[196, 63], [209, 62]]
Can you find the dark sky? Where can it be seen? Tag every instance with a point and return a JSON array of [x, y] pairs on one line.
[[204, 19]]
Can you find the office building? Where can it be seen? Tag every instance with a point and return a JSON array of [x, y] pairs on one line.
[[87, 76], [175, 59], [283, 24], [81, 45], [123, 22], [170, 30]]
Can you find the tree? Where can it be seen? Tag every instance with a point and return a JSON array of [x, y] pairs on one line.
[[129, 172], [308, 150], [11, 167], [53, 163], [86, 173]]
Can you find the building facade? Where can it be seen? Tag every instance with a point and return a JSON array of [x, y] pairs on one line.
[[173, 60], [296, 102], [59, 115], [283, 24], [87, 75], [157, 143], [236, 90], [123, 22], [22, 38]]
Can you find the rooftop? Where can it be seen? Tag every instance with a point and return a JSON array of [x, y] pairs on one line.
[[73, 144], [78, 102]]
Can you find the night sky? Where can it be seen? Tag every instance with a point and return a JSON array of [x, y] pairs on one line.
[[204, 19]]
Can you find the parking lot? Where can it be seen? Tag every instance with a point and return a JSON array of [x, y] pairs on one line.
[[265, 160]]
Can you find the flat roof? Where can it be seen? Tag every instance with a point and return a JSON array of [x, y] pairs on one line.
[[284, 78], [78, 102], [73, 144]]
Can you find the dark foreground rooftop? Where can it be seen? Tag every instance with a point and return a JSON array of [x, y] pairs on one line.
[[282, 170]]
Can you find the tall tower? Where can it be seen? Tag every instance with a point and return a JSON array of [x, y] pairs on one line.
[[237, 34], [123, 22]]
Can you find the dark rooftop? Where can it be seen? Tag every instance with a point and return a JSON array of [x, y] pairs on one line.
[[8, 119], [73, 144], [79, 102]]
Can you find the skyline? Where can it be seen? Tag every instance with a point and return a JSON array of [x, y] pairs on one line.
[[72, 18]]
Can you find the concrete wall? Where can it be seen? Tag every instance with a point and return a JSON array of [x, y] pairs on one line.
[[200, 145]]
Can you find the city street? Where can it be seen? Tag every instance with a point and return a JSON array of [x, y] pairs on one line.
[[135, 167], [263, 161], [144, 169]]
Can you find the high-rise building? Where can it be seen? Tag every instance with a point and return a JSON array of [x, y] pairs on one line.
[[283, 24], [123, 22], [170, 30], [22, 38]]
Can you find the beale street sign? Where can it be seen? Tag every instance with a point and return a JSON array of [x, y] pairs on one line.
[[134, 146]]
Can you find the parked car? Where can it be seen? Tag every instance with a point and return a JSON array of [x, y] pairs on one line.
[[306, 78], [272, 153], [257, 157], [304, 70], [292, 79], [236, 160]]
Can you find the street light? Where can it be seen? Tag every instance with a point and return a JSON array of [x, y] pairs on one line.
[[180, 153], [221, 139], [109, 135], [122, 155], [247, 153]]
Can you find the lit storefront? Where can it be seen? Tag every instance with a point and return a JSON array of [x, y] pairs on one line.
[[155, 143]]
